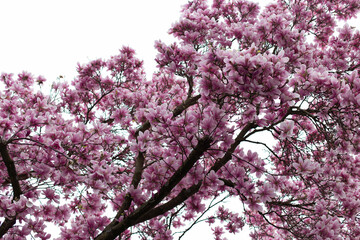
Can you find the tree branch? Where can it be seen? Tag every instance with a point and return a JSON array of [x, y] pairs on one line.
[[6, 225], [267, 220], [111, 232], [210, 206], [190, 81], [140, 160], [228, 155], [10, 166], [288, 204], [187, 103], [139, 163], [89, 109], [180, 198], [176, 112], [186, 193]]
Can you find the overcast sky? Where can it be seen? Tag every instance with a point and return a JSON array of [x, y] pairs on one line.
[[50, 37]]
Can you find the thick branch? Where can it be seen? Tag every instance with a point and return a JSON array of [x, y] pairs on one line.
[[187, 103], [6, 225], [194, 156], [139, 163], [228, 155], [140, 160], [146, 125], [10, 166], [179, 199], [135, 182], [23, 176], [186, 193], [190, 81], [176, 112]]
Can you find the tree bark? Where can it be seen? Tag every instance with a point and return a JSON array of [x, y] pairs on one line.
[[10, 167], [114, 230]]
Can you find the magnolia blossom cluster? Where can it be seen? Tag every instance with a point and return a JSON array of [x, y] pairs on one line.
[[113, 155]]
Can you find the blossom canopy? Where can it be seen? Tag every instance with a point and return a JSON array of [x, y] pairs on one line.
[[113, 155]]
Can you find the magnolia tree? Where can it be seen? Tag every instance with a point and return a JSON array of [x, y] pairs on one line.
[[115, 156]]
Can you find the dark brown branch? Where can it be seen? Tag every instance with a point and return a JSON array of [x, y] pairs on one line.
[[180, 198], [353, 67], [139, 163], [301, 112], [288, 204], [267, 220], [96, 102], [140, 160], [146, 125], [186, 193], [23, 176], [176, 112], [187, 103], [228, 183], [135, 182], [179, 174], [10, 166], [138, 169], [6, 225], [113, 231], [190, 81], [228, 155]]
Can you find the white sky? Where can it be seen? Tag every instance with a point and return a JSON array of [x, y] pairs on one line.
[[50, 37]]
